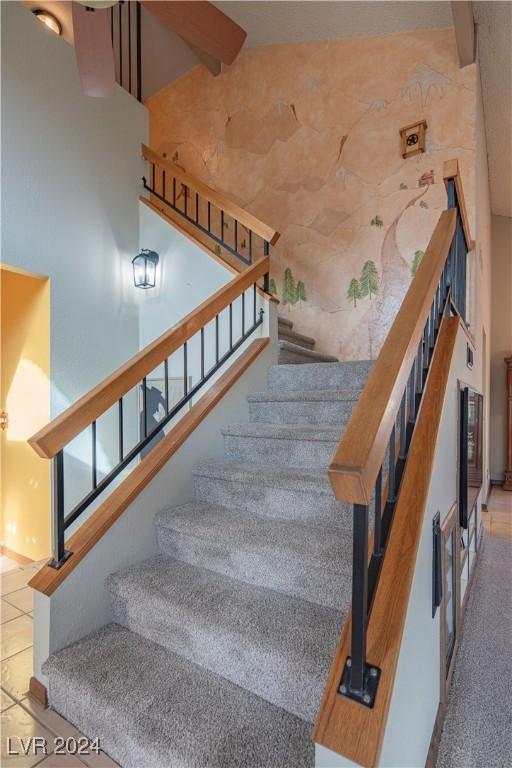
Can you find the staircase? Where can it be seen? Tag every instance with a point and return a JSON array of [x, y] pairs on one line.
[[294, 347], [221, 645]]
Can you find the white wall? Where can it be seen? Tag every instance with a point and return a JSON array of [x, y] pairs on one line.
[[501, 340], [71, 172]]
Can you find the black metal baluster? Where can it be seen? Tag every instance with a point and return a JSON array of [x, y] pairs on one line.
[[392, 468], [197, 208], [174, 192], [254, 302], [222, 226], [185, 371], [209, 216], [59, 553], [93, 459], [236, 235], [163, 184], [412, 392], [243, 313], [153, 172], [403, 427], [166, 385], [121, 430], [129, 47], [185, 192], [377, 538], [216, 339], [120, 5], [230, 326], [139, 54], [202, 353], [250, 245], [144, 408]]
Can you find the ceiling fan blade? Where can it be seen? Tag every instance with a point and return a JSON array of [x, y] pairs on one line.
[[93, 51], [202, 25]]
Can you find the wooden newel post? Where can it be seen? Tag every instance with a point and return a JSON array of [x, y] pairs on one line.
[[507, 485]]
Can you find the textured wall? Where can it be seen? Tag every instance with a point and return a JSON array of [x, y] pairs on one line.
[[306, 137]]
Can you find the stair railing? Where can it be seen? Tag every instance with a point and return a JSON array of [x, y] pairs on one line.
[[226, 333], [228, 226], [126, 36], [369, 462]]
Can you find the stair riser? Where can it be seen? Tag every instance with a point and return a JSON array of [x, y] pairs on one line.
[[304, 412], [318, 376], [287, 335], [239, 658], [287, 357], [313, 454], [281, 503], [296, 577], [284, 323]]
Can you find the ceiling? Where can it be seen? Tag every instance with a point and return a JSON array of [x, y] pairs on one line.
[[494, 36], [276, 21]]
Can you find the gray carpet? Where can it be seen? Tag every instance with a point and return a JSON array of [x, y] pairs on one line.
[[222, 645], [478, 727]]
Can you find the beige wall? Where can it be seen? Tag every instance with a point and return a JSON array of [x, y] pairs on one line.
[[306, 136], [501, 345]]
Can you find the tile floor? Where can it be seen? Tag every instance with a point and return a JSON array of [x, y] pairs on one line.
[[22, 717], [498, 518]]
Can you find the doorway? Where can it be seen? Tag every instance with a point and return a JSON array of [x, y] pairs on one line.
[[25, 406]]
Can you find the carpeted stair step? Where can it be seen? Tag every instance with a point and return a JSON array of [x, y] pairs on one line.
[[301, 495], [283, 322], [294, 337], [276, 646], [288, 445], [350, 375], [301, 560], [151, 708], [293, 354], [310, 406]]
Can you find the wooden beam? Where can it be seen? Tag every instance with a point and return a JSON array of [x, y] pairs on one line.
[[360, 453], [343, 725], [201, 24], [221, 201], [52, 438], [48, 579], [464, 26]]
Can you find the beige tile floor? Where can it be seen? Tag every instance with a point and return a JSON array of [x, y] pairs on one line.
[[498, 518], [22, 717]]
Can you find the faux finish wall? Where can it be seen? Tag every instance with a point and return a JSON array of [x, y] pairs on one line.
[[306, 136]]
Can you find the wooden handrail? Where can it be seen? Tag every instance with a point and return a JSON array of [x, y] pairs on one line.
[[451, 171], [218, 199], [343, 725], [52, 438], [362, 448]]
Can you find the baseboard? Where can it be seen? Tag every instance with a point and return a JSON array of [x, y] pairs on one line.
[[12, 555], [436, 737], [38, 692]]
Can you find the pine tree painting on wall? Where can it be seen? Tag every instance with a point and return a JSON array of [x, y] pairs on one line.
[[354, 291], [301, 291], [418, 255], [272, 286], [369, 280], [289, 289]]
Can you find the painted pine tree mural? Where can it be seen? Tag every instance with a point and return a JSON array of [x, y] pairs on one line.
[[418, 255], [272, 286], [289, 288], [354, 291], [301, 291], [369, 280]]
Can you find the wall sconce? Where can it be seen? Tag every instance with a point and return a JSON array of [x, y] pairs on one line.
[[49, 20], [144, 269]]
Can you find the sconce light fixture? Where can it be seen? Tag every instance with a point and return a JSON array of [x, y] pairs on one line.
[[144, 269], [47, 18]]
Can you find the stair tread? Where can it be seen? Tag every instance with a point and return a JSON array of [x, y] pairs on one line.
[[288, 346], [276, 645], [320, 432], [304, 395], [325, 548], [151, 708], [288, 334]]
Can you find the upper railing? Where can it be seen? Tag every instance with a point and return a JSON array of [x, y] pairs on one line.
[[368, 464], [131, 408], [125, 33], [224, 223]]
